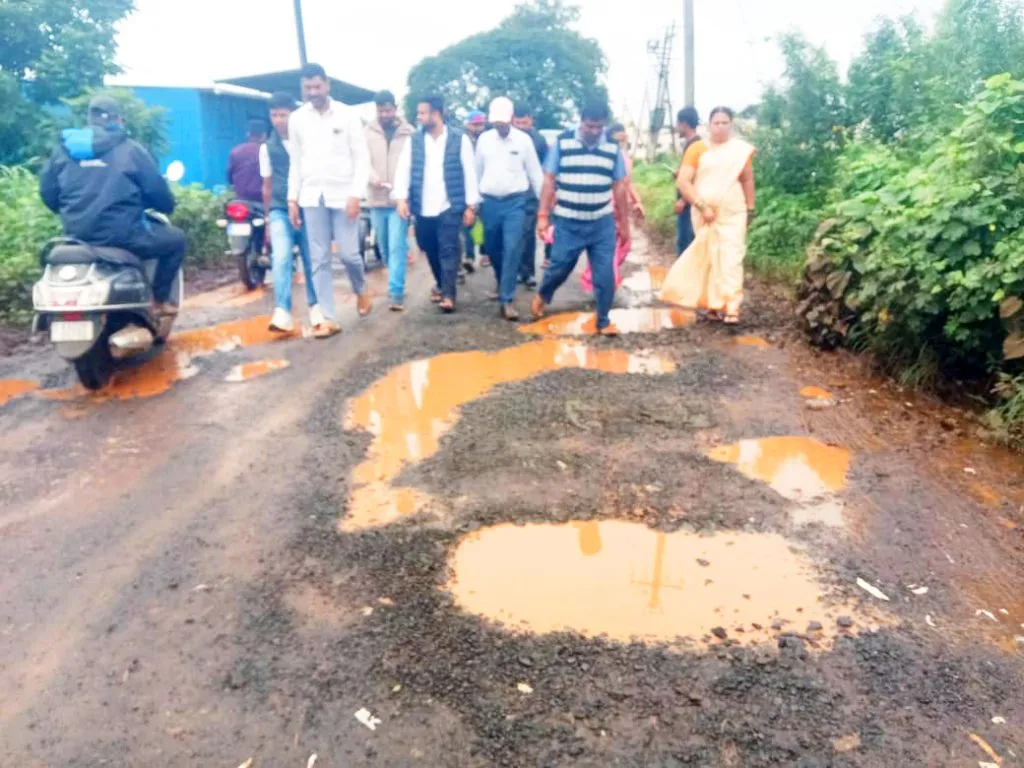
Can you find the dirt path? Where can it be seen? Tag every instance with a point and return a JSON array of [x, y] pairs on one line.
[[510, 546]]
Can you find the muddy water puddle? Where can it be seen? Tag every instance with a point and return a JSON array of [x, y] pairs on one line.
[[255, 370], [231, 295], [646, 280], [626, 581], [639, 320], [815, 393], [174, 362], [13, 388], [752, 341], [800, 469], [411, 408]]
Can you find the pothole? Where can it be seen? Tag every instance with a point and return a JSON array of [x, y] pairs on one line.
[[411, 408], [625, 581], [639, 320], [255, 370], [12, 388]]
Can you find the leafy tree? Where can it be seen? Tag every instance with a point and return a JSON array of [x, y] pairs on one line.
[[801, 121], [534, 57], [147, 125]]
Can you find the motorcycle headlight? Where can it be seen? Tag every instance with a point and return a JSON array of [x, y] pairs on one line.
[[95, 294]]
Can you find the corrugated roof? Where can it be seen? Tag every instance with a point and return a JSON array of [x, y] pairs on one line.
[[289, 82]]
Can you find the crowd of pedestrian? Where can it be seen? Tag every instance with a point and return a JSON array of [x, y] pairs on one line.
[[493, 185]]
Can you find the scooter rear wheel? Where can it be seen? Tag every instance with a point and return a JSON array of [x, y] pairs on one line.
[[251, 274], [95, 368]]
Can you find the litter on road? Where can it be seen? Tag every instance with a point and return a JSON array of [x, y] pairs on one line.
[[872, 590], [366, 718], [524, 688], [986, 614], [986, 747]]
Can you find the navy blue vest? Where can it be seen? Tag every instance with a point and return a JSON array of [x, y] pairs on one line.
[[279, 166], [454, 177]]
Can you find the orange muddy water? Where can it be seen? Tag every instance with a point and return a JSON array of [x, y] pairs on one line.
[[640, 320], [12, 388], [752, 341], [626, 581], [797, 468], [815, 393], [255, 370], [174, 362], [414, 405]]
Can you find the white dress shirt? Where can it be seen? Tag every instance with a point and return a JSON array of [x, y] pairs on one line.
[[508, 166], [435, 193], [329, 156]]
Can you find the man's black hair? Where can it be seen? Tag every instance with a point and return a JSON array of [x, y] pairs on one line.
[[282, 100], [257, 127], [313, 70], [616, 128], [688, 116], [384, 97], [523, 110], [595, 110], [436, 103]]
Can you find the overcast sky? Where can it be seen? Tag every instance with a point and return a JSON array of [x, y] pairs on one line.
[[374, 44]]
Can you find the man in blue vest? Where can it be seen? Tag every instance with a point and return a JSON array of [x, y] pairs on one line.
[[436, 182], [275, 165], [585, 189]]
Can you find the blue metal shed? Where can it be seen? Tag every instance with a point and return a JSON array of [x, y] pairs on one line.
[[204, 124]]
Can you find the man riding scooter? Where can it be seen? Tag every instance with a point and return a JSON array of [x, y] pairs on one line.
[[101, 182]]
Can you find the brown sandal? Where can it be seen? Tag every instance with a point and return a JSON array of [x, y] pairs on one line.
[[435, 296], [447, 306]]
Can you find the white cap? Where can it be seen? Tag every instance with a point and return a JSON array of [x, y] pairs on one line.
[[502, 110]]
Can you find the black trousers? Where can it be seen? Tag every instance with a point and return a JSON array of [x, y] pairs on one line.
[[528, 259], [438, 237], [167, 245]]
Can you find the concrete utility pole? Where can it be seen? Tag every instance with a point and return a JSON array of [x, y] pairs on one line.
[[301, 32], [688, 45]]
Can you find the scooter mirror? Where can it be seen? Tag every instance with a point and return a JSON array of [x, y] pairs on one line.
[[175, 171]]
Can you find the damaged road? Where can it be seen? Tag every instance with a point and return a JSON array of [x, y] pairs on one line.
[[446, 540]]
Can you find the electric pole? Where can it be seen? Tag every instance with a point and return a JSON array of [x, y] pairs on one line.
[[662, 53], [688, 44], [301, 32]]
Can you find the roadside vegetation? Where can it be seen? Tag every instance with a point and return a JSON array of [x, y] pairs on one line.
[[893, 200]]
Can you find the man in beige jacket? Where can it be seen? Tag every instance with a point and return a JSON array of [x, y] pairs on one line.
[[386, 136]]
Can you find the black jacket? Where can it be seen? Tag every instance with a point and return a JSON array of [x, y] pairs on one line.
[[101, 183]]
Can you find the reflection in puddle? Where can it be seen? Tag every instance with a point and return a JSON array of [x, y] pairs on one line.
[[752, 341], [414, 405], [641, 320], [797, 468], [624, 580], [256, 369], [12, 388], [800, 469], [646, 280], [174, 362], [815, 393]]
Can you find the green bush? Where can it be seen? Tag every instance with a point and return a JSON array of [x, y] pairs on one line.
[[196, 214], [655, 184], [777, 240], [26, 225], [935, 250]]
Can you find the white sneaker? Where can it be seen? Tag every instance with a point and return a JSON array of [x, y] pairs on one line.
[[316, 317], [282, 321]]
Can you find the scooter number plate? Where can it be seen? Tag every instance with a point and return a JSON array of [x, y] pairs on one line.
[[81, 330], [239, 230]]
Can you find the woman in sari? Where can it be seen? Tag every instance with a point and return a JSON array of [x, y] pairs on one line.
[[717, 179]]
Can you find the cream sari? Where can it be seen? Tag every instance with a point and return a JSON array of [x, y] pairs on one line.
[[709, 275]]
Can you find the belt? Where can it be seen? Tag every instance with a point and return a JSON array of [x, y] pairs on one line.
[[513, 196]]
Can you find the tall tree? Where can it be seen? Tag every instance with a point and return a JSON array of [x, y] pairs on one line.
[[535, 57]]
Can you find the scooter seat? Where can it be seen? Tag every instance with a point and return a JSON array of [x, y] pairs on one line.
[[82, 253]]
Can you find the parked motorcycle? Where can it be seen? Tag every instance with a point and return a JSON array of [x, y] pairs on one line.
[[97, 305], [244, 222]]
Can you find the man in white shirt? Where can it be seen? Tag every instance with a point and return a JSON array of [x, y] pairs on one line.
[[275, 165], [330, 168], [510, 174], [436, 182]]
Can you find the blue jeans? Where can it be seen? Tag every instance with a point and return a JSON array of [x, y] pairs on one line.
[[393, 240], [283, 237], [597, 238], [684, 231], [323, 226], [504, 219]]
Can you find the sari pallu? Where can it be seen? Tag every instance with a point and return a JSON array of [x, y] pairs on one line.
[[709, 275]]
